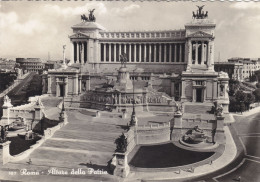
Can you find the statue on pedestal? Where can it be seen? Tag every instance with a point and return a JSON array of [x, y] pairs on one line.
[[7, 101], [179, 108], [218, 109], [123, 59]]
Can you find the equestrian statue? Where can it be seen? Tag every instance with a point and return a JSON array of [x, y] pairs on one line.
[[90, 18], [200, 14]]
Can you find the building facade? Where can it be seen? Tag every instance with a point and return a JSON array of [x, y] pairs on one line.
[[31, 64], [249, 66], [233, 69], [177, 62]]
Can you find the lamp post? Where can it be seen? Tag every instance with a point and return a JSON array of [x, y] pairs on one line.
[[133, 121], [63, 107]]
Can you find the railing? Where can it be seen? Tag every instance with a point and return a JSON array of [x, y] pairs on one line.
[[155, 126], [142, 35]]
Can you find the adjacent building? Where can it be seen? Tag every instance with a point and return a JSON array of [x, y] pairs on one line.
[[30, 64], [241, 69], [233, 69]]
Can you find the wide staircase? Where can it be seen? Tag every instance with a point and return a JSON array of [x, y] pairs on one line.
[[198, 108], [85, 142], [82, 140]]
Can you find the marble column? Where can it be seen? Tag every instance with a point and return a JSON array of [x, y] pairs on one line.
[[105, 52], [114, 52], [125, 48], [189, 52], [170, 53], [82, 53], [145, 53], [180, 57], [77, 52], [165, 51], [160, 52], [154, 48], [135, 53], [129, 53], [72, 53], [202, 53], [120, 50], [140, 52], [196, 53], [175, 53], [109, 52], [150, 53]]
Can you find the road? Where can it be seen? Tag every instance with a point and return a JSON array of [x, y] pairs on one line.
[[18, 94], [246, 165]]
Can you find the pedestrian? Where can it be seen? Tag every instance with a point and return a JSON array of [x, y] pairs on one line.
[[239, 178], [30, 161]]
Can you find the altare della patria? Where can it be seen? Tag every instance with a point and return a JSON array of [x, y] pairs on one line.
[[123, 99]]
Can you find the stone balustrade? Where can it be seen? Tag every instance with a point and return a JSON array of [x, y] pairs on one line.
[[142, 35]]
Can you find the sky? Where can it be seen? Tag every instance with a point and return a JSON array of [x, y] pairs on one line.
[[32, 29]]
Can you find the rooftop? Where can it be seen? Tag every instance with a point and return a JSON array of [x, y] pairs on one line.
[[88, 25]]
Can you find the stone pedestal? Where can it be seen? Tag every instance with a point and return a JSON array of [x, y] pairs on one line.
[[122, 168], [220, 122], [176, 126], [5, 158], [134, 120], [178, 120], [6, 111]]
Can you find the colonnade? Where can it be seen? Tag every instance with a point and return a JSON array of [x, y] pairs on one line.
[[200, 52], [143, 52], [79, 51]]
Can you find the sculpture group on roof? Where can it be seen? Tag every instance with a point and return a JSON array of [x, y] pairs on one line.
[[90, 18], [200, 14]]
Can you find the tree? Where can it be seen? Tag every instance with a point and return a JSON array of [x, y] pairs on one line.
[[240, 96], [257, 95], [242, 106], [249, 99], [234, 106], [233, 87]]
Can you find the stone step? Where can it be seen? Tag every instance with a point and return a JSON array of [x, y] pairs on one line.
[[197, 109], [94, 127], [74, 134], [72, 155], [102, 147]]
